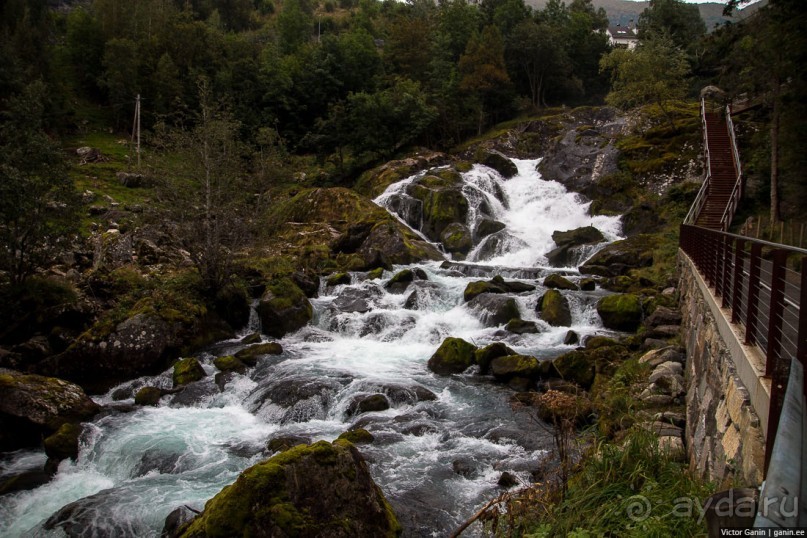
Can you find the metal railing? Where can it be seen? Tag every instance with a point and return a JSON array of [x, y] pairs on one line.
[[764, 296], [700, 199], [737, 191]]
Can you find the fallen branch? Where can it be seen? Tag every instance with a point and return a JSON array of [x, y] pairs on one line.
[[480, 513]]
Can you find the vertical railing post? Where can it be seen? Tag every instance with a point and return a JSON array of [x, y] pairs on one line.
[[737, 285], [801, 352], [777, 309], [753, 295], [725, 278]]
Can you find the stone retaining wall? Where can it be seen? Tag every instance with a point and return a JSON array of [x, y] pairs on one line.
[[724, 434]]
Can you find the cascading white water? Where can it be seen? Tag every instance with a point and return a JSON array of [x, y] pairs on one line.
[[439, 449]]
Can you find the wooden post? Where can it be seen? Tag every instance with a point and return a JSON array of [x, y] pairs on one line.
[[137, 114]]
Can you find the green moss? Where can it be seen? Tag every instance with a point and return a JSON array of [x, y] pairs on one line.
[[249, 355], [453, 356], [229, 363], [577, 367], [515, 366], [64, 443], [358, 436], [337, 279], [479, 287], [555, 309], [148, 396], [621, 312], [375, 274], [187, 371]]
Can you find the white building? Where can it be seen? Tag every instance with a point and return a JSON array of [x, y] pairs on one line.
[[622, 36]]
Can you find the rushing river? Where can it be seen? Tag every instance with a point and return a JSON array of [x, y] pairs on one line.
[[136, 465]]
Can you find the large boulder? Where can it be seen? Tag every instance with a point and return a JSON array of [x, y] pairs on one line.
[[619, 257], [576, 366], [620, 312], [321, 490], [187, 371], [454, 356], [555, 281], [284, 308], [554, 308], [579, 236], [485, 355], [33, 406], [250, 355], [499, 162], [443, 203], [487, 227], [456, 238], [494, 310], [511, 366]]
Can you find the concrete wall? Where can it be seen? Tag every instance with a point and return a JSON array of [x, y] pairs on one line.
[[727, 398]]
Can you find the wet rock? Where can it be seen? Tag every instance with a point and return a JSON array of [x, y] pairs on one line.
[[176, 521], [597, 342], [571, 338], [620, 312], [586, 235], [337, 497], [474, 289], [356, 299], [577, 367], [222, 379], [250, 355], [494, 310], [187, 371], [375, 274], [289, 391], [368, 404], [498, 162], [443, 203], [520, 326], [228, 363], [456, 238], [285, 442], [392, 243], [619, 257], [504, 368], [194, 394], [24, 481], [464, 467], [359, 436], [454, 356], [284, 308], [33, 406], [511, 286], [485, 355], [148, 396], [555, 310], [555, 281], [309, 285], [663, 315], [400, 281], [64, 443], [250, 339], [487, 227], [587, 284], [338, 279], [507, 480]]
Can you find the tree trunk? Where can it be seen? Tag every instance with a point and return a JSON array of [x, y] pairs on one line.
[[775, 216]]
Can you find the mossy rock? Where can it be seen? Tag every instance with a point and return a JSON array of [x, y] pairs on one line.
[[368, 404], [64, 443], [520, 326], [359, 436], [375, 274], [555, 281], [619, 257], [228, 363], [479, 287], [577, 367], [596, 342], [579, 236], [285, 442], [488, 227], [442, 205], [454, 356], [148, 396], [319, 490], [249, 355], [187, 371], [510, 366], [456, 238], [500, 163], [485, 355], [284, 308], [587, 284], [338, 279], [400, 281], [620, 312], [555, 309]]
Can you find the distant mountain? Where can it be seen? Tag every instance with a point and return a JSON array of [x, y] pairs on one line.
[[624, 11]]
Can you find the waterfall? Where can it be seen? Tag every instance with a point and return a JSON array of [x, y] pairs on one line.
[[137, 464]]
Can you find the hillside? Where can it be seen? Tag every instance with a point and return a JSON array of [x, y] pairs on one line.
[[624, 11]]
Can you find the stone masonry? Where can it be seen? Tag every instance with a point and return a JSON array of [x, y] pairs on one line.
[[725, 438]]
